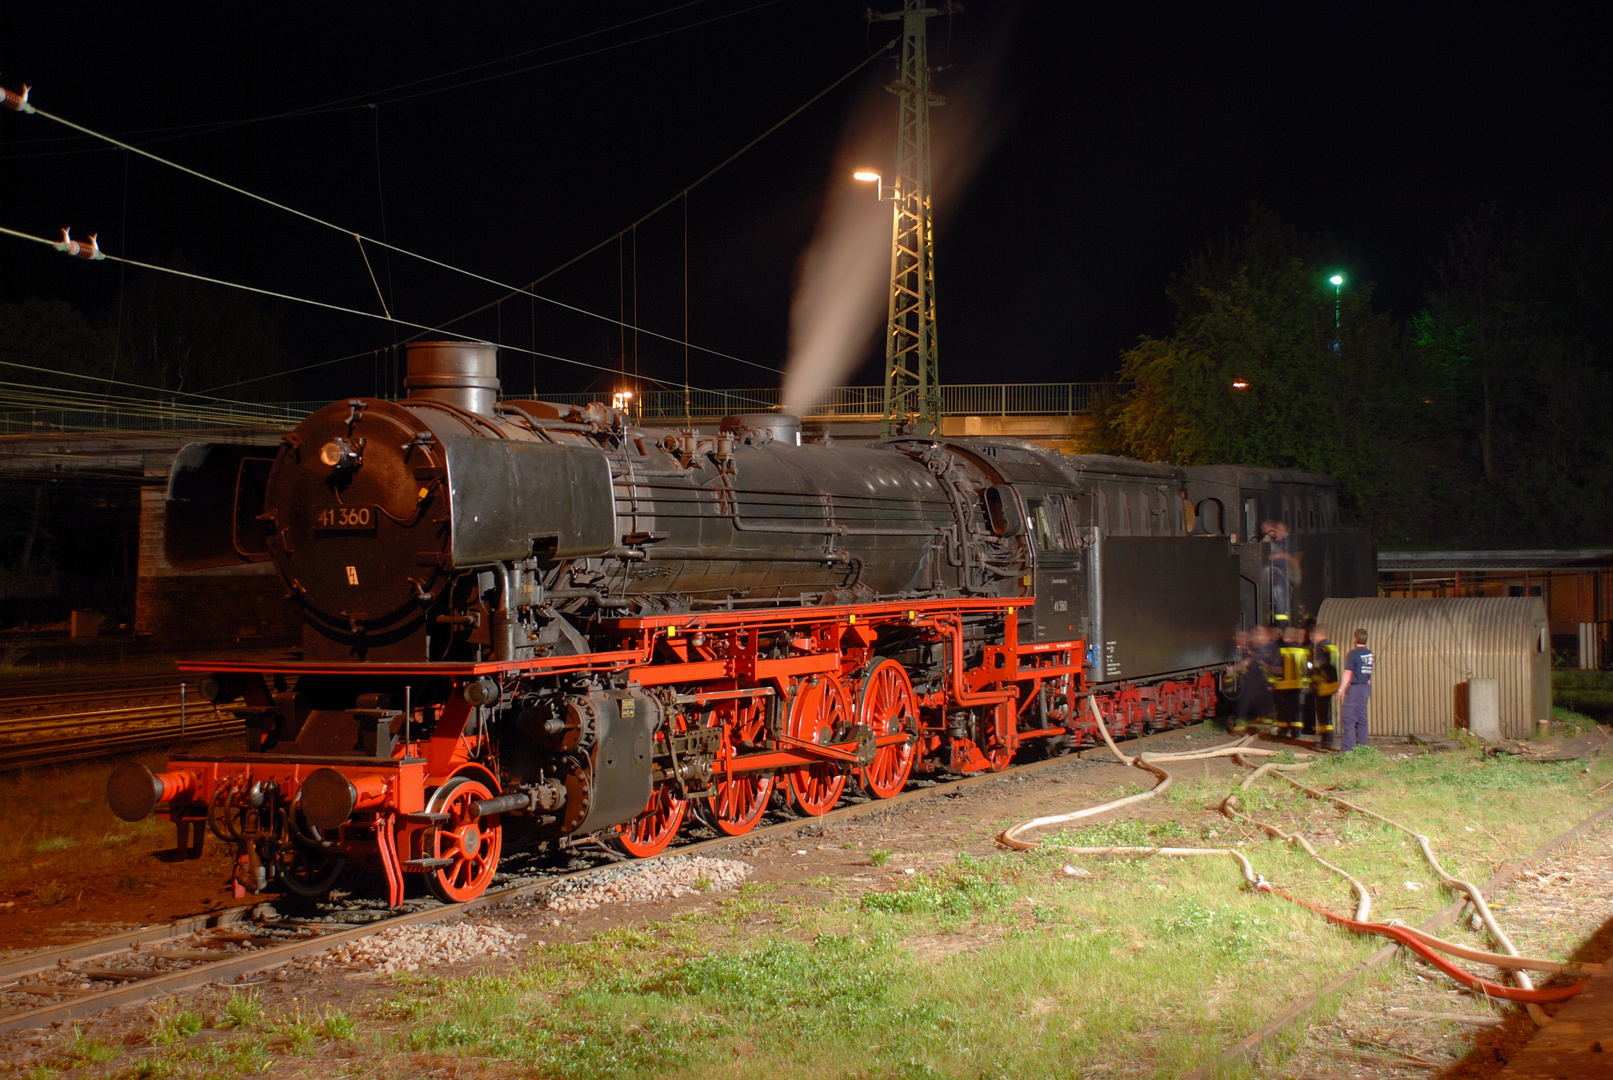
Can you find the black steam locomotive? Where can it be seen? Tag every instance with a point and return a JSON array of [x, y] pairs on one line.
[[518, 609]]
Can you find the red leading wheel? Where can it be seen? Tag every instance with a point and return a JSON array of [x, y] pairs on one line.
[[885, 706], [818, 714], [470, 844], [659, 821]]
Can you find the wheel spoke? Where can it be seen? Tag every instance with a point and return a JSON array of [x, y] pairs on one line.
[[818, 714], [473, 844], [886, 707]]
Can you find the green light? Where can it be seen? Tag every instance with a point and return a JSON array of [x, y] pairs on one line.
[[1337, 279]]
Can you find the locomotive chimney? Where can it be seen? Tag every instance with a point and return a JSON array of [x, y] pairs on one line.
[[459, 373]]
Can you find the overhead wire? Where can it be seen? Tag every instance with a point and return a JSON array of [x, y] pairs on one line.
[[633, 227], [354, 101], [707, 175], [511, 290], [192, 275]]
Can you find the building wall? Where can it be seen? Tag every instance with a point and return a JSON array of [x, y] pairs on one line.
[[1575, 598]]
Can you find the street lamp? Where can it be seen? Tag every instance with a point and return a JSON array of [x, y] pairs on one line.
[[621, 400], [868, 176], [1240, 383], [1338, 294]]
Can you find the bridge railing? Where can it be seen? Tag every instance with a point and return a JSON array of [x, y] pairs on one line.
[[19, 417]]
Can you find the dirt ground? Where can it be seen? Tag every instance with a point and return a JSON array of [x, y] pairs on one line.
[[1570, 895]]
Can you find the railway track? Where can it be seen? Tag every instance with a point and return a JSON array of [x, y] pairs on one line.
[[23, 691], [138, 965], [31, 737]]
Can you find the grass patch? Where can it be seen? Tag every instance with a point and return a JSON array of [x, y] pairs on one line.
[[1005, 965], [242, 1010], [337, 1026], [83, 1049], [175, 1025], [1000, 965]]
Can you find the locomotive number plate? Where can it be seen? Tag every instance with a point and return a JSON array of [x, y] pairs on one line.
[[346, 519]]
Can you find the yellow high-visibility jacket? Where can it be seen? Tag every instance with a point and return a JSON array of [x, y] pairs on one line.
[[1296, 661]]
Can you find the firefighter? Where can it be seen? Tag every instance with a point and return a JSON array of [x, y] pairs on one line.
[[1258, 656], [1324, 685], [1289, 682]]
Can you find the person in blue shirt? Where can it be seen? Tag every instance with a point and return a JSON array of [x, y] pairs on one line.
[[1355, 690]]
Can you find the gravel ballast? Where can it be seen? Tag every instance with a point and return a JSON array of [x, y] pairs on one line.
[[657, 879]]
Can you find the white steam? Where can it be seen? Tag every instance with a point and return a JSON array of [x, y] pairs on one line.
[[842, 292], [841, 296]]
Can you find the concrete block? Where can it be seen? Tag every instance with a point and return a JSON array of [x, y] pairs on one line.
[[84, 624], [1484, 709]]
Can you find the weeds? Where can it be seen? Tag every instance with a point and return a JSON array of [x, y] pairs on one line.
[[175, 1026], [242, 1010], [337, 1026], [298, 1033], [879, 857], [54, 843], [85, 1049], [53, 894]]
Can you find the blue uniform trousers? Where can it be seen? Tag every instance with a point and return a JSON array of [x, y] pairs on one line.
[[1353, 718]]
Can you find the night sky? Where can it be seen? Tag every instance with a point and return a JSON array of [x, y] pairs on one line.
[[1115, 141]]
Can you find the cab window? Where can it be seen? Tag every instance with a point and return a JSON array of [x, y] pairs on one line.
[[1047, 523]]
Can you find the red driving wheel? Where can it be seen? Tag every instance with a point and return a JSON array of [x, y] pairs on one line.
[[885, 706], [818, 714], [659, 821], [741, 797]]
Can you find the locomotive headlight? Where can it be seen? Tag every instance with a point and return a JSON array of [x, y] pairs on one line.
[[340, 454], [481, 692]]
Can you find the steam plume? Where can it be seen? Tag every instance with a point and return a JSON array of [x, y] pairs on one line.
[[842, 289]]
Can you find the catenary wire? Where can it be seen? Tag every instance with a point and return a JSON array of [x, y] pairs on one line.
[[354, 101], [511, 290], [713, 171], [298, 300]]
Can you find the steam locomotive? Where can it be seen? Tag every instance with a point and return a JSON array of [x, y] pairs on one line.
[[516, 611]]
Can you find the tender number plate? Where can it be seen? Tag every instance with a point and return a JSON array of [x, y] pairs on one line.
[[346, 518]]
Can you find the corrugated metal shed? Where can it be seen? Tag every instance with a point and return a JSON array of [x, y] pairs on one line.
[[1427, 650]]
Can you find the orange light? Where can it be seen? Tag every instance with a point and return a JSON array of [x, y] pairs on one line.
[[866, 175], [1240, 383]]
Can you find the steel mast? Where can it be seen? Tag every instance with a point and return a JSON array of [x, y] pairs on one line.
[[912, 377]]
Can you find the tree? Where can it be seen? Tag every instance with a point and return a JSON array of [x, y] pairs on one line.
[[1258, 311], [1518, 329]]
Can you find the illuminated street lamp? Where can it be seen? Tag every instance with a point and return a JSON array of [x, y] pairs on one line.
[[1240, 383], [621, 399], [868, 176], [1338, 294]]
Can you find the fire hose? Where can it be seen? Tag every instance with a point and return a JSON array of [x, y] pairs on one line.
[[1425, 945]]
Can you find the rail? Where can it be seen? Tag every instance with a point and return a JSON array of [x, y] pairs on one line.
[[25, 414]]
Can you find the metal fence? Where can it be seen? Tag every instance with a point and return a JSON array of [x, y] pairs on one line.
[[957, 399], [850, 402]]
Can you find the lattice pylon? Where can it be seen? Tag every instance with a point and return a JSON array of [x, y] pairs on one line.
[[912, 377]]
